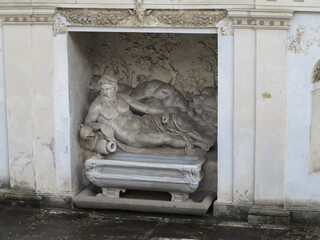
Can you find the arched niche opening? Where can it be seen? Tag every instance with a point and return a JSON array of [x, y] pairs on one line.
[[314, 164]]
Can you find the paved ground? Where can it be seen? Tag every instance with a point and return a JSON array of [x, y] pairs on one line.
[[46, 224]]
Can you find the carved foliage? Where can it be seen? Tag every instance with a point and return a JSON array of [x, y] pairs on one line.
[[136, 58], [143, 17], [199, 18], [59, 24], [95, 17]]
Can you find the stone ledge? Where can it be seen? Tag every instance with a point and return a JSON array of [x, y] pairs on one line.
[[268, 215], [88, 199], [304, 215], [230, 211], [32, 199]]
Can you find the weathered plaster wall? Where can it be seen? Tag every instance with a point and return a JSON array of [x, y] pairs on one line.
[[62, 114], [28, 72], [37, 94], [302, 186], [80, 72], [225, 116], [4, 160]]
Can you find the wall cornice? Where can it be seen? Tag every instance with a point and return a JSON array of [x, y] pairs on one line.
[[294, 5], [27, 15], [266, 19]]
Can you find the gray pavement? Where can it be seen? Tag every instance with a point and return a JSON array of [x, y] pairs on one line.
[[30, 223]]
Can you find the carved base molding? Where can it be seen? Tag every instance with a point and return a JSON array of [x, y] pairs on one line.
[[88, 199]]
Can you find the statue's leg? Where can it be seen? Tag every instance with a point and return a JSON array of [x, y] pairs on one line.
[[149, 138]]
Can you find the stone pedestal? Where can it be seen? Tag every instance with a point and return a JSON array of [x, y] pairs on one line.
[[178, 175]]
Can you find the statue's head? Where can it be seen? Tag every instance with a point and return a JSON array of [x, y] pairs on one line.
[[109, 85]]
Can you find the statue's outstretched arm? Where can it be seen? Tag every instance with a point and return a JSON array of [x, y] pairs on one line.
[[141, 107]]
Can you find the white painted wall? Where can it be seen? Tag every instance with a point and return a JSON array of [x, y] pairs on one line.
[[80, 73], [38, 151], [302, 187], [244, 115], [271, 117], [19, 92], [62, 113], [225, 117], [4, 160]]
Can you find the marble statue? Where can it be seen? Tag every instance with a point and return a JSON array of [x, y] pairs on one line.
[[161, 136], [154, 115], [202, 108]]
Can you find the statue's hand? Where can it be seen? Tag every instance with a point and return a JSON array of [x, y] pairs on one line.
[[86, 132], [165, 117], [108, 132]]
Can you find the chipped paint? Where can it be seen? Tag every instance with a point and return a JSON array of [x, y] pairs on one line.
[[266, 95], [22, 171], [303, 39], [50, 145]]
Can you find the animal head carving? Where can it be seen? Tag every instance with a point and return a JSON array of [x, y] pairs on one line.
[[139, 11]]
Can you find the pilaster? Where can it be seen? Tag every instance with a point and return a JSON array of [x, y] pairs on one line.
[[28, 44], [4, 160], [260, 111]]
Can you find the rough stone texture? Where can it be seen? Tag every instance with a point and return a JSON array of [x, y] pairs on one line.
[[304, 216], [264, 215], [39, 224], [230, 211], [35, 200]]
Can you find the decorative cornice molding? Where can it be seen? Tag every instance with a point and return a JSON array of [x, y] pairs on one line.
[[27, 15], [27, 19], [260, 19], [63, 17], [156, 18]]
